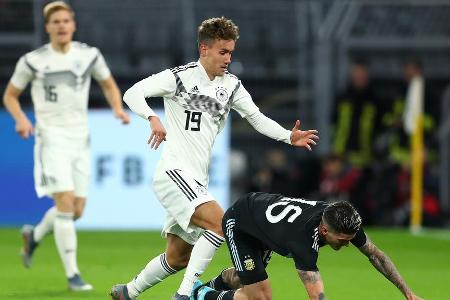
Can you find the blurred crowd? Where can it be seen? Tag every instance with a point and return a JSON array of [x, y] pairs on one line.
[[369, 163]]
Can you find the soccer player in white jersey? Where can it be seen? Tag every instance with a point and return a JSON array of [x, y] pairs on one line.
[[60, 74], [197, 99]]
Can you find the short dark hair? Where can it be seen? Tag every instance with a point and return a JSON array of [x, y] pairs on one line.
[[217, 29], [342, 217]]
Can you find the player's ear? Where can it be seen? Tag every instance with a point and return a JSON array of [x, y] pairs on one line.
[[323, 230], [202, 49]]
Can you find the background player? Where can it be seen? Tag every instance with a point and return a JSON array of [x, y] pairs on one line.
[[60, 73], [260, 223], [197, 99]]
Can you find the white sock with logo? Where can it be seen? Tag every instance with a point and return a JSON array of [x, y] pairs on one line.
[[45, 226], [201, 256], [66, 242], [154, 272]]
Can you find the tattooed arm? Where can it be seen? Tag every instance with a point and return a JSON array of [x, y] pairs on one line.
[[386, 267], [313, 284]]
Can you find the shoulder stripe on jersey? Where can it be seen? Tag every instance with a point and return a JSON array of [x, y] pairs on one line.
[[238, 85], [180, 86], [184, 67], [183, 187], [91, 64], [33, 69]]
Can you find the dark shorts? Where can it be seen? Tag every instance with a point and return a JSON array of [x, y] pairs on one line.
[[250, 257]]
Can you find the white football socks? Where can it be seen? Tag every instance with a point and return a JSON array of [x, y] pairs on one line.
[[66, 242], [201, 256], [155, 272], [45, 226]]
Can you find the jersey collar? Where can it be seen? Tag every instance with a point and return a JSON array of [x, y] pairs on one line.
[[205, 75], [53, 51]]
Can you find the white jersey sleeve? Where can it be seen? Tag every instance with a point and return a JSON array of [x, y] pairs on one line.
[[162, 84], [100, 70], [243, 103], [269, 127], [22, 74]]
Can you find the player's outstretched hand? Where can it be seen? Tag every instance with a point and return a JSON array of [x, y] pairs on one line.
[[24, 128], [300, 138], [158, 133], [122, 116]]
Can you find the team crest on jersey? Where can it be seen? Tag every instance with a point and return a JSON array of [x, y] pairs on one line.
[[221, 94], [249, 264]]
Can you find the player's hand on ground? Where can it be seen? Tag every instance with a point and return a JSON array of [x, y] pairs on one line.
[[300, 138], [158, 133], [411, 296], [24, 128], [123, 116]]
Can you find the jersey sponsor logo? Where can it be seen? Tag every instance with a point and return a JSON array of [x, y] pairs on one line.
[[249, 264], [195, 90], [221, 94]]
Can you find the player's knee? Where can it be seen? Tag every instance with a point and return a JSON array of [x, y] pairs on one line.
[[178, 262], [65, 202]]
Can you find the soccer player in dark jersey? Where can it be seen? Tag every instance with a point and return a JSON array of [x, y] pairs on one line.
[[260, 223]]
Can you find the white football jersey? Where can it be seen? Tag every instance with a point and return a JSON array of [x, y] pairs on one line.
[[196, 109], [60, 86]]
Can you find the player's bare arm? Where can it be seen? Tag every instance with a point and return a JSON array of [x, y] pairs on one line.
[[112, 94], [11, 101], [300, 138], [158, 132], [313, 284], [386, 267]]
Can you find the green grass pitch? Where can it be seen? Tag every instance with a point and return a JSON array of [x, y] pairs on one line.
[[106, 258]]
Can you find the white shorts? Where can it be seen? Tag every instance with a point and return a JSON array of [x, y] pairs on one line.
[[180, 194], [61, 169]]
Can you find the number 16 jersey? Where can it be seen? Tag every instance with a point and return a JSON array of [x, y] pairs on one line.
[[60, 87]]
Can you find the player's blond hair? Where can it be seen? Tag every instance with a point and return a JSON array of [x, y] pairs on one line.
[[55, 6], [217, 29]]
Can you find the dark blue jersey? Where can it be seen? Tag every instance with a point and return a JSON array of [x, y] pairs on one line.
[[288, 226]]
